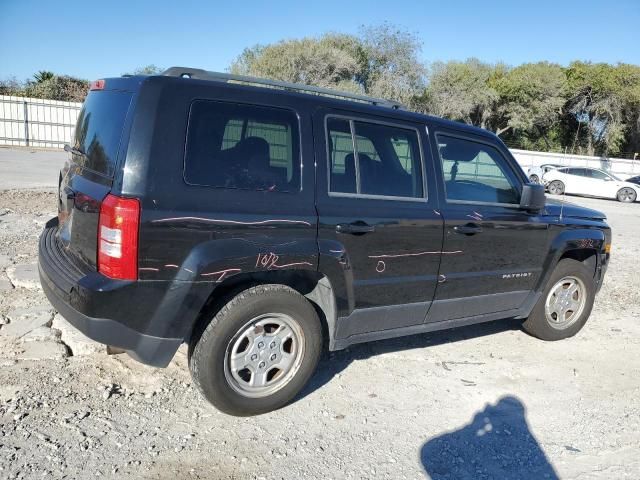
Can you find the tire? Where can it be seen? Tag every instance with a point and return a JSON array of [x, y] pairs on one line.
[[556, 187], [534, 178], [252, 326], [544, 326], [626, 195]]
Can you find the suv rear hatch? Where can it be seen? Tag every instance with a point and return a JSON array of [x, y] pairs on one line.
[[88, 175]]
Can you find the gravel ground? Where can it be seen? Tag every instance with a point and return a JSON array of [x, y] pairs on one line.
[[481, 402]]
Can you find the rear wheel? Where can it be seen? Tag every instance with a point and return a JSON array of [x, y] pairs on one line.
[[556, 187], [565, 304], [258, 351], [534, 178], [626, 195]]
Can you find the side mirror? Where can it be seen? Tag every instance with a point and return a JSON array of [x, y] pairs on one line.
[[533, 197]]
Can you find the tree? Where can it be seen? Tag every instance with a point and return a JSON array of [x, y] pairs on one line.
[[597, 99], [380, 61], [43, 76], [58, 87], [392, 68], [462, 91], [531, 100], [150, 69], [11, 86]]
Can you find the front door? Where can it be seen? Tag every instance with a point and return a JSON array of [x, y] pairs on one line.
[[376, 203], [493, 251]]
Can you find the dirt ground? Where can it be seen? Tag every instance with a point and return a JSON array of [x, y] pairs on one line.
[[486, 401]]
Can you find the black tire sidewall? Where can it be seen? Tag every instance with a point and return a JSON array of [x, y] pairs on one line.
[[537, 323], [209, 351]]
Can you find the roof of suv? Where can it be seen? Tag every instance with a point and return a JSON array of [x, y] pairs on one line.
[[323, 97]]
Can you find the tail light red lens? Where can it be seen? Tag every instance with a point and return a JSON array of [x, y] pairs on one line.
[[118, 237], [97, 85]]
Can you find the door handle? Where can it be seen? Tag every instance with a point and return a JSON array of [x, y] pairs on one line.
[[356, 228], [468, 229]]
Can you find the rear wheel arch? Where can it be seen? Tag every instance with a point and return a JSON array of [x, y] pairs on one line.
[[314, 286]]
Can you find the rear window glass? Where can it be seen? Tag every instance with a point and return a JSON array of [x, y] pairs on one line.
[[242, 146], [99, 129]]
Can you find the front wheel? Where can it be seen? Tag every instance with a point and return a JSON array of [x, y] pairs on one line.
[[626, 195], [258, 351], [565, 304], [556, 187], [533, 178]]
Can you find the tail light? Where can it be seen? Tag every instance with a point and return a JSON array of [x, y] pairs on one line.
[[118, 237], [97, 85]]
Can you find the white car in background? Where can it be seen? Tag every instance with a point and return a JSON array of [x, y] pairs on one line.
[[535, 173], [591, 182]]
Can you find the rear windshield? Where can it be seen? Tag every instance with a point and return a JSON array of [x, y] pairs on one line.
[[99, 129]]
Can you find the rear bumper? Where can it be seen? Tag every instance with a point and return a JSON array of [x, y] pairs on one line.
[[76, 295]]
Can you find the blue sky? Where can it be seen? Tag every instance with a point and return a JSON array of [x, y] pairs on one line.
[[93, 39]]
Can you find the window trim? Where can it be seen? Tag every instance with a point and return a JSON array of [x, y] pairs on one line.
[[484, 142], [351, 119], [245, 104]]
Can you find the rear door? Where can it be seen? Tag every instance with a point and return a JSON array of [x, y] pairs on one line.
[[493, 251], [88, 174], [376, 202]]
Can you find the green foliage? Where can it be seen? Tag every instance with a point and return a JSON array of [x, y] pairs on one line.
[[43, 76], [150, 69], [380, 61], [58, 87], [462, 91], [591, 108]]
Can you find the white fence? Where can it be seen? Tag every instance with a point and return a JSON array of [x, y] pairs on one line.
[[34, 122], [622, 167]]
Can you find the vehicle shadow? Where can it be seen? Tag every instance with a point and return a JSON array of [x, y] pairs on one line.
[[335, 362], [496, 444]]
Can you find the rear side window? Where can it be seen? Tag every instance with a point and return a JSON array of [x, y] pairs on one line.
[[373, 159], [99, 128], [242, 146]]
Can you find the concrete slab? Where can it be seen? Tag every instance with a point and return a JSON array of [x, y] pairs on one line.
[[25, 320], [5, 261], [5, 285], [42, 351], [42, 334], [25, 168], [24, 276], [78, 343]]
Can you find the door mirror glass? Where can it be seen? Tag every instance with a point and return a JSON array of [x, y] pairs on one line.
[[533, 197]]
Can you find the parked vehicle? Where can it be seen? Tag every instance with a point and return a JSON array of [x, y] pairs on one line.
[[535, 172], [635, 180], [590, 182], [262, 222]]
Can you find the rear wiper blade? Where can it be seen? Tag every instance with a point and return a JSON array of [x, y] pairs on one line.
[[74, 151]]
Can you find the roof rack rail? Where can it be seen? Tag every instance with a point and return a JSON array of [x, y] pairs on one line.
[[200, 74]]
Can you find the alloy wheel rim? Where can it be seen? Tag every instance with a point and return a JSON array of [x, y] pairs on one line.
[[264, 355], [626, 194], [565, 302], [554, 188]]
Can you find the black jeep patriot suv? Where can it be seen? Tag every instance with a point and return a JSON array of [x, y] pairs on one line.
[[261, 221]]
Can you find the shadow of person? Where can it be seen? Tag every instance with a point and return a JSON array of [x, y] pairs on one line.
[[497, 444]]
